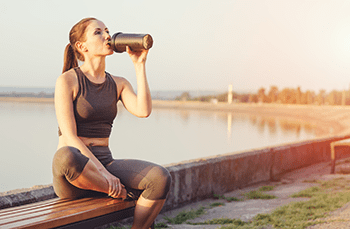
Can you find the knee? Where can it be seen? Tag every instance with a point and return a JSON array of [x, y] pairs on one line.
[[68, 161], [165, 180], [65, 156], [160, 184]]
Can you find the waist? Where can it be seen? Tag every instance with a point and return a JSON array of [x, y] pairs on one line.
[[95, 141], [87, 141]]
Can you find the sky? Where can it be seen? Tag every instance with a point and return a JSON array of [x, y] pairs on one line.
[[198, 44]]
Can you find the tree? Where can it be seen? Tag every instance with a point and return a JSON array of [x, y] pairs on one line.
[[334, 98], [184, 96], [253, 98], [287, 96], [298, 96], [272, 95], [320, 99], [261, 95]]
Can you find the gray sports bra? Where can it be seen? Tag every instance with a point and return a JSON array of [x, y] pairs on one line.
[[95, 106]]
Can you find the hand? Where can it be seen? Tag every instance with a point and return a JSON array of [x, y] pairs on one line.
[[137, 57], [116, 188]]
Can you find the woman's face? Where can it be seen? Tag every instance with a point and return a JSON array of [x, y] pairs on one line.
[[97, 37]]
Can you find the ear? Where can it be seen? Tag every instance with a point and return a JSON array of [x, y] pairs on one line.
[[80, 46]]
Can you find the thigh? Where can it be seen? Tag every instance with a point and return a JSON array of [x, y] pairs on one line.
[[151, 179], [133, 173], [67, 165]]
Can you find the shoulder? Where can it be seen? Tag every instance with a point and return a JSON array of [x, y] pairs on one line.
[[121, 82], [122, 85], [69, 78], [68, 81]]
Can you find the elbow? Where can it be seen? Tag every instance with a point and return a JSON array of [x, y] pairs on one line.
[[144, 114], [145, 111]]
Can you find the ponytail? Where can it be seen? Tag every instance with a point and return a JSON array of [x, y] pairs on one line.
[[77, 33], [70, 60]]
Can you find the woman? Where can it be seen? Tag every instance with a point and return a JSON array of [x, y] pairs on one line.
[[86, 104]]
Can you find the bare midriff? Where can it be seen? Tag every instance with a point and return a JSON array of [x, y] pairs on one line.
[[86, 141]]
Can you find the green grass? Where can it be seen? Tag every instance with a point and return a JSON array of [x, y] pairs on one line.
[[250, 195], [236, 222], [183, 216], [258, 195], [304, 213], [160, 225], [228, 199], [327, 197], [217, 204], [310, 192], [266, 188]]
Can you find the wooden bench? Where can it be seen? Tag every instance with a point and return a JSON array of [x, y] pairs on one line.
[[345, 142], [58, 213]]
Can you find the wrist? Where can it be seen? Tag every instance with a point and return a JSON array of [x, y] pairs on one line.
[[138, 65], [140, 69], [102, 170]]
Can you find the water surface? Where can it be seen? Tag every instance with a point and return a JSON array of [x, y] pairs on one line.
[[28, 138]]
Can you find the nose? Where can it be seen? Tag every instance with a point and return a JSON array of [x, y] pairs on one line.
[[108, 37]]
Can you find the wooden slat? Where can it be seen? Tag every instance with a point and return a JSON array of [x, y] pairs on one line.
[[28, 207], [76, 212], [68, 217], [342, 142], [31, 210], [44, 209], [54, 213]]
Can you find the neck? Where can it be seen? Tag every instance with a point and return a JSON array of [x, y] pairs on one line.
[[94, 68]]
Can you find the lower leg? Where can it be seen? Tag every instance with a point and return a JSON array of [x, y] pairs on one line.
[[91, 179], [146, 212]]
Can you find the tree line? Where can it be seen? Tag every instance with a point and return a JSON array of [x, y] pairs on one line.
[[27, 94], [274, 95]]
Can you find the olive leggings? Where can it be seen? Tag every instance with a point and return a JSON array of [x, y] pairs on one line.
[[150, 179]]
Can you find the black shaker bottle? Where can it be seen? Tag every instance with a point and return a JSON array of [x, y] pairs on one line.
[[136, 42]]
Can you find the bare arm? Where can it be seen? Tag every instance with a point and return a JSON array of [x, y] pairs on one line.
[[139, 105]]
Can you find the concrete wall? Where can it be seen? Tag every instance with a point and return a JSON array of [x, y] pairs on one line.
[[199, 179]]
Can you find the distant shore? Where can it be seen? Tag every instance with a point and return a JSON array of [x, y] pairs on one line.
[[329, 120], [26, 99]]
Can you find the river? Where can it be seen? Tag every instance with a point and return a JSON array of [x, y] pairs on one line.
[[28, 138]]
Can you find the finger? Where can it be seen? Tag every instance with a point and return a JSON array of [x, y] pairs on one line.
[[119, 189], [112, 188]]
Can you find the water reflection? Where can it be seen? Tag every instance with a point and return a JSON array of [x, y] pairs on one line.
[[271, 124], [29, 133], [229, 125], [272, 127]]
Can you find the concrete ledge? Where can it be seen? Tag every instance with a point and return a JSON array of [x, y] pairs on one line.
[[199, 179], [28, 196]]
